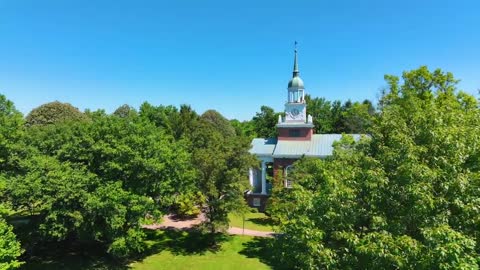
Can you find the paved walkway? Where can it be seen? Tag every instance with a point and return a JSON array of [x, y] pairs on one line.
[[169, 221], [240, 231]]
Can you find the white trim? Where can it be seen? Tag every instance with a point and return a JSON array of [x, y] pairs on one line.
[[264, 177], [266, 158], [286, 176], [298, 156], [295, 125], [250, 176]]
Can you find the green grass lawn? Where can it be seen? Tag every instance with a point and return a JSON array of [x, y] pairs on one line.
[[166, 250], [253, 221], [228, 256]]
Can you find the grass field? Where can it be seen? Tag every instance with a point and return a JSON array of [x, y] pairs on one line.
[[228, 256], [253, 221], [166, 250]]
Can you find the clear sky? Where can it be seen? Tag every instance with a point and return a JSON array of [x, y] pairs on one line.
[[232, 56]]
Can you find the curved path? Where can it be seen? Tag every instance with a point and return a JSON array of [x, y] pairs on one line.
[[169, 221]]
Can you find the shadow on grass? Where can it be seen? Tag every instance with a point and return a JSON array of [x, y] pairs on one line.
[[71, 256], [262, 221], [89, 256], [262, 248], [183, 242]]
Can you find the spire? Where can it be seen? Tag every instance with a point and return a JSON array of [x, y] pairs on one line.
[[295, 63]]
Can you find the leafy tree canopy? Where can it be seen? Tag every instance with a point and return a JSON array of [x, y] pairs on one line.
[[222, 160], [54, 112], [406, 197], [264, 122]]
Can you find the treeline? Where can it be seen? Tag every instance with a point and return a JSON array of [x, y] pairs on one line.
[[68, 176], [328, 117], [407, 196]]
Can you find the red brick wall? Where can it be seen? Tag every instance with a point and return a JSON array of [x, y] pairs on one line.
[[279, 165], [263, 201], [305, 134]]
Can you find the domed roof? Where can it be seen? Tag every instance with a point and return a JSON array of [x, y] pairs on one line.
[[296, 82]]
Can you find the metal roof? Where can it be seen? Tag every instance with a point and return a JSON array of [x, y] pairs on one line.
[[321, 145], [263, 147]]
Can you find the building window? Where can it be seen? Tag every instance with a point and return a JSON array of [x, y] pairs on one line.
[[256, 202], [288, 181], [294, 133]]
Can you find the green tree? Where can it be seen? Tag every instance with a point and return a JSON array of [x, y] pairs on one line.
[[222, 160], [11, 134], [135, 152], [265, 122], [333, 117], [54, 112], [178, 123], [355, 118], [221, 124], [321, 111], [98, 180], [10, 248], [244, 128], [68, 202], [406, 197], [125, 111]]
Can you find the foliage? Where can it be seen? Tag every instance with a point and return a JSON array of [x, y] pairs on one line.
[[178, 123], [11, 134], [10, 248], [333, 117], [222, 161], [125, 111], [68, 202], [189, 204], [54, 112], [98, 180], [264, 122], [406, 197], [132, 151], [244, 128]]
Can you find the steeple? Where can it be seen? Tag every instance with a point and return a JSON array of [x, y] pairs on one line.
[[296, 117], [295, 63], [295, 85]]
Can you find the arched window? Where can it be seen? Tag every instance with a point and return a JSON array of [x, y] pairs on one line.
[[288, 181]]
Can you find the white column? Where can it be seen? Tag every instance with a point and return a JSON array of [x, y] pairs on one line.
[[264, 177], [250, 176]]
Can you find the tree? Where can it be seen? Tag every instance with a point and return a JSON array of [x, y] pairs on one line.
[[222, 160], [356, 118], [125, 111], [54, 112], [98, 180], [265, 122], [68, 202], [244, 128], [406, 197], [221, 124], [321, 111], [11, 134], [333, 117], [178, 123], [10, 248]]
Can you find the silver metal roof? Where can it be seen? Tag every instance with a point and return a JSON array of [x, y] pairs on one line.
[[321, 145], [263, 147]]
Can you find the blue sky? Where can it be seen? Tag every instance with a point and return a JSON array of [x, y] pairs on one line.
[[232, 56]]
